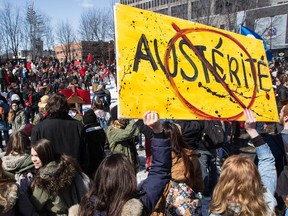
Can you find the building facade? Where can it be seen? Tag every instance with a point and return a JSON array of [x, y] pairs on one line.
[[267, 17], [102, 51]]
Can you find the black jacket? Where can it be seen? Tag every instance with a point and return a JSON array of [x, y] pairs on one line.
[[192, 133], [66, 135], [95, 139]]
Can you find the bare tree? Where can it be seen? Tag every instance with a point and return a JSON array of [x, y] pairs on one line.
[[12, 28], [221, 13], [48, 35], [65, 35], [85, 29], [202, 11], [97, 25]]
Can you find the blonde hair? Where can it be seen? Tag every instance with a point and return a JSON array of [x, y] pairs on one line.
[[120, 123], [239, 183]]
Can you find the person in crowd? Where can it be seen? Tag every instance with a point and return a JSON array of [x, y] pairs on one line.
[[282, 91], [242, 188], [282, 188], [65, 133], [12, 201], [103, 93], [114, 187], [58, 181], [11, 90], [185, 171], [31, 99], [101, 112], [17, 162], [42, 109], [148, 133], [4, 125], [3, 73], [16, 116], [192, 134], [121, 134], [95, 139], [74, 112]]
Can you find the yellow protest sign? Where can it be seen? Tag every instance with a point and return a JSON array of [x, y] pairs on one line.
[[186, 70]]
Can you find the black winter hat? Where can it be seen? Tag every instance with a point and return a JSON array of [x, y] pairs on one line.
[[15, 102], [89, 117]]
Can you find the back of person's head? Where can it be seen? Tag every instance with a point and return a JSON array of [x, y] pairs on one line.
[[173, 131], [89, 117], [18, 144], [179, 147], [240, 183], [57, 106], [99, 103], [45, 151], [282, 78], [120, 123], [114, 184]]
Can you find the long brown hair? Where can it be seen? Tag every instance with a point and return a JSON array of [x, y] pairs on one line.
[[19, 143], [114, 184], [239, 183], [179, 147], [47, 154]]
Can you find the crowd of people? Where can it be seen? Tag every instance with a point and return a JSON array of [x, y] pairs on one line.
[[59, 160]]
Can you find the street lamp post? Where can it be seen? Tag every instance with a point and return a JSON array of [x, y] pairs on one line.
[[31, 18]]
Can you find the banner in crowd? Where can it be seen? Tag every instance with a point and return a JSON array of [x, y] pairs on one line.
[[80, 96], [186, 70]]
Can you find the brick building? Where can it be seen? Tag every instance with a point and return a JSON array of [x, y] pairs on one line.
[[102, 51]]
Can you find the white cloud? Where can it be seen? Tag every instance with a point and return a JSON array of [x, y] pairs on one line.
[[85, 3]]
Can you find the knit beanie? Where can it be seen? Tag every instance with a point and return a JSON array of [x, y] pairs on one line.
[[89, 117], [15, 97], [15, 102]]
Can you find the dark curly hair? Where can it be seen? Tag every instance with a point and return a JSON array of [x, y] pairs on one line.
[[57, 106]]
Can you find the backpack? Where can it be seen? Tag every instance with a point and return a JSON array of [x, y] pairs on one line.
[[182, 200], [102, 121], [213, 134]]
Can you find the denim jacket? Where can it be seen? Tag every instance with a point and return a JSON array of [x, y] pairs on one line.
[[267, 170]]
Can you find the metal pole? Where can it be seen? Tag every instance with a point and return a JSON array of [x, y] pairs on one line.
[[271, 32]]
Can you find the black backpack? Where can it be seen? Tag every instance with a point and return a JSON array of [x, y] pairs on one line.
[[213, 134]]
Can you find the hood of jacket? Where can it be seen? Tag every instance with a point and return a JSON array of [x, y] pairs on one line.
[[132, 207], [55, 177], [8, 196], [193, 180], [17, 163]]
